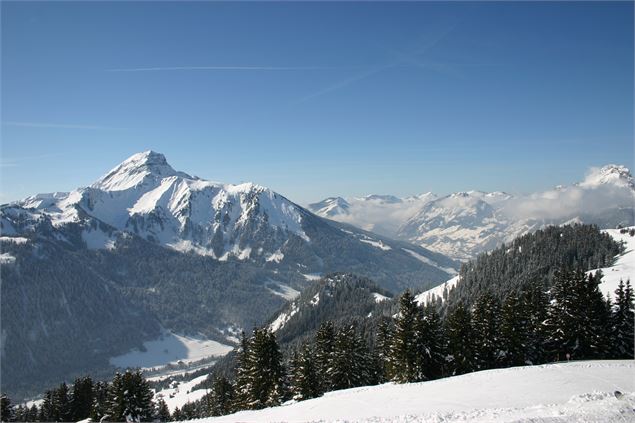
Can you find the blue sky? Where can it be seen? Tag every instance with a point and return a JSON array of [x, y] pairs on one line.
[[318, 99]]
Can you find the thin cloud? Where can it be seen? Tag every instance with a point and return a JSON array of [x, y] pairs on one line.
[[15, 161], [377, 69], [223, 68], [57, 125], [346, 82]]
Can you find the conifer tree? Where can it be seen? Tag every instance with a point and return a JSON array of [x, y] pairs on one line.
[[6, 408], [562, 321], [130, 398], [47, 413], [324, 347], [223, 396], [514, 331], [486, 327], [33, 413], [19, 414], [61, 404], [459, 335], [162, 411], [349, 368], [577, 319], [623, 321], [430, 344], [262, 372], [99, 407], [383, 345], [305, 379], [81, 400], [242, 381], [404, 349], [597, 318], [534, 302], [177, 415]]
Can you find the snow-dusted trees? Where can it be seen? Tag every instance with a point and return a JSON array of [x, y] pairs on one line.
[[222, 396], [130, 398], [305, 381], [622, 322], [324, 348], [486, 332], [458, 329], [404, 354], [578, 319], [383, 345], [414, 351], [162, 411], [351, 360], [431, 344], [261, 375]]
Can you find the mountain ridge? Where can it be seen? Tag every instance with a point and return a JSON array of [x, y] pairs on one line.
[[463, 224]]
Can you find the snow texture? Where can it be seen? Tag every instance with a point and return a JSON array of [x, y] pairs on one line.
[[563, 392]]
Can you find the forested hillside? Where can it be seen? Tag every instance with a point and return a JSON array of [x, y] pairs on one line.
[[532, 260]]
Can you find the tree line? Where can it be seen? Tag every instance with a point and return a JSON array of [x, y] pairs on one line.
[[571, 321], [126, 398]]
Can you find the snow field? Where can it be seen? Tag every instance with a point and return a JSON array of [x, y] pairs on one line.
[[561, 392]]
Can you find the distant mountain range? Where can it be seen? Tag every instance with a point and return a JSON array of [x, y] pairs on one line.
[[464, 224], [90, 274]]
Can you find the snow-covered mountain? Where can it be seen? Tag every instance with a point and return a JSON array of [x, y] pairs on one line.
[[90, 274], [464, 224], [381, 214], [145, 196]]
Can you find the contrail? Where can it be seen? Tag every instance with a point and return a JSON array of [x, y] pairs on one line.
[[56, 125], [223, 68], [341, 84]]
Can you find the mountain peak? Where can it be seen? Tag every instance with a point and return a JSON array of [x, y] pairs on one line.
[[613, 174], [137, 169]]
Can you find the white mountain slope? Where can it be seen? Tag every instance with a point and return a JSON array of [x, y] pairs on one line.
[[563, 392], [462, 225], [624, 267], [382, 214], [144, 195]]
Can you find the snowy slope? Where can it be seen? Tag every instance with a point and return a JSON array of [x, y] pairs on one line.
[[437, 292], [456, 225], [577, 391], [171, 348], [624, 267], [180, 393], [464, 224]]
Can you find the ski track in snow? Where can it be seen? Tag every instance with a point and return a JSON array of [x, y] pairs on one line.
[[561, 392]]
